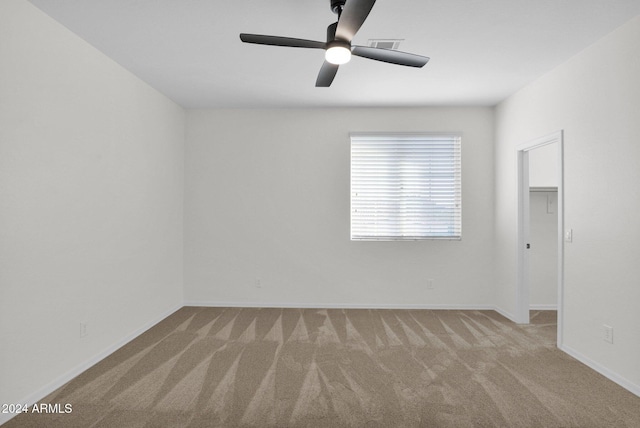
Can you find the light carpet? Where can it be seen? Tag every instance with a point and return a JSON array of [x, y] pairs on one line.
[[248, 367]]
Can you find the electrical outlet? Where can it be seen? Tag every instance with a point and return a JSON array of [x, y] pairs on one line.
[[258, 283], [430, 285], [83, 329], [607, 333]]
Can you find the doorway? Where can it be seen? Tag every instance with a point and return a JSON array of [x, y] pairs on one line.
[[523, 285]]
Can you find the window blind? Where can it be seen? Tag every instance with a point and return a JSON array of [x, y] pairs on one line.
[[405, 187]]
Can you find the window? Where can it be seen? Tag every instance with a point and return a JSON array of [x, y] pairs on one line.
[[405, 187]]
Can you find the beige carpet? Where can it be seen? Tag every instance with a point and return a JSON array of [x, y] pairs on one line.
[[231, 367]]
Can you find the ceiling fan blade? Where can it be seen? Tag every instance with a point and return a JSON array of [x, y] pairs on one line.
[[390, 56], [327, 73], [261, 39], [352, 18]]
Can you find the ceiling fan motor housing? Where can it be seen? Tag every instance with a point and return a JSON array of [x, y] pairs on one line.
[[338, 44], [336, 6]]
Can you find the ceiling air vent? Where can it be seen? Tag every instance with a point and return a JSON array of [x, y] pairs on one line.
[[385, 43]]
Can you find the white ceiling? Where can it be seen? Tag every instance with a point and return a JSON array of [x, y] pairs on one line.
[[481, 50]]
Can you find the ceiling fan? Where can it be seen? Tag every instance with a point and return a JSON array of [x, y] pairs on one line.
[[351, 16]]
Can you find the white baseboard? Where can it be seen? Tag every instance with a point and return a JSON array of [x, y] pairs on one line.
[[66, 377], [615, 377], [544, 307], [507, 315], [233, 304], [512, 317]]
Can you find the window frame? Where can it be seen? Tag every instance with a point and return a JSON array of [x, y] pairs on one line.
[[413, 137]]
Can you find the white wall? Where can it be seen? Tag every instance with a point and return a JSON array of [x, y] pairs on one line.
[[595, 98], [267, 197], [543, 166], [543, 255], [91, 187]]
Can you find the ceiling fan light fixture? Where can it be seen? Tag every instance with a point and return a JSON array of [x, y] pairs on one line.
[[338, 53], [338, 48]]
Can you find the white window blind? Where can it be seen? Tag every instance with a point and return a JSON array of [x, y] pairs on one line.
[[405, 187]]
